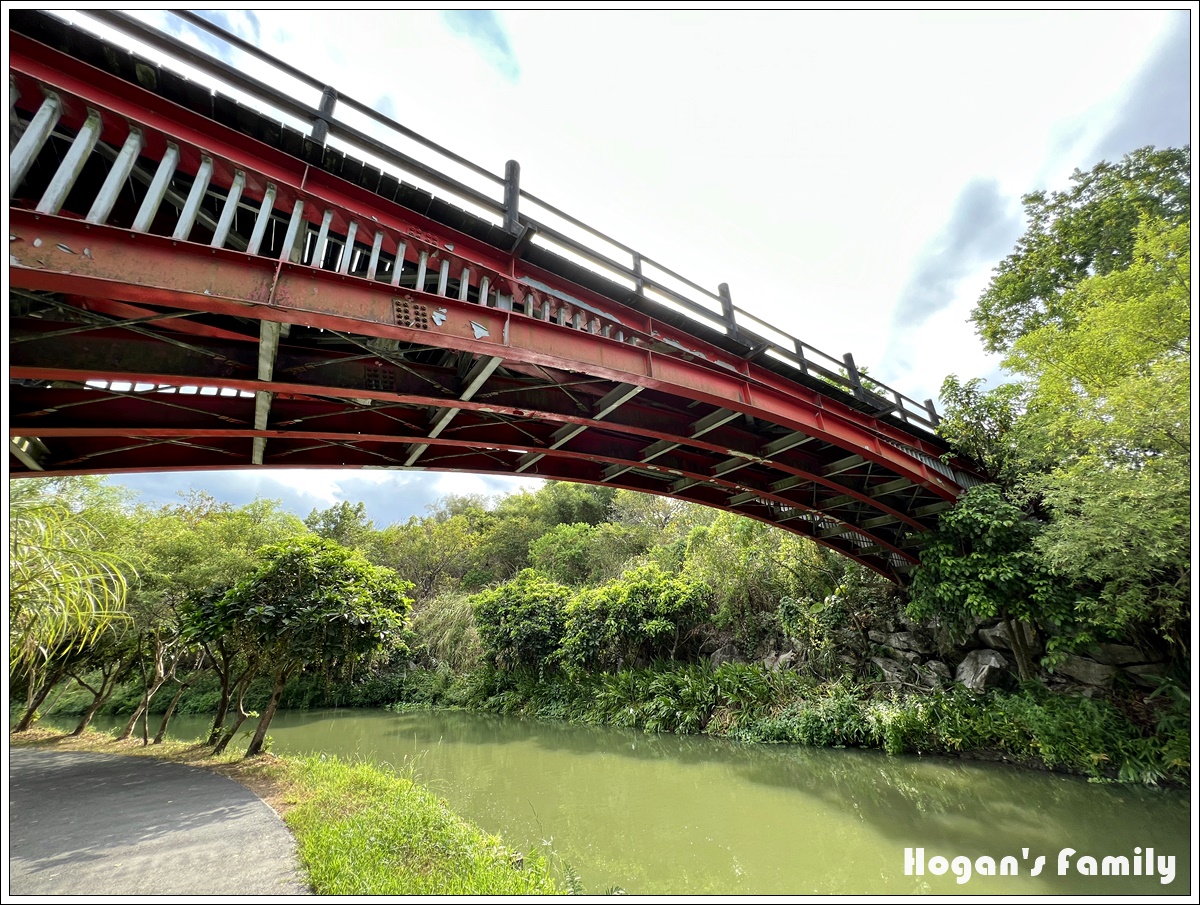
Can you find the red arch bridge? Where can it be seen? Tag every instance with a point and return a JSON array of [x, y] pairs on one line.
[[208, 273]]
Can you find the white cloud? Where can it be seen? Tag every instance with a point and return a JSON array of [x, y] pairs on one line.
[[806, 158]]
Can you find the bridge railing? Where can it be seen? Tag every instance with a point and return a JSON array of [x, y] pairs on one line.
[[500, 199]]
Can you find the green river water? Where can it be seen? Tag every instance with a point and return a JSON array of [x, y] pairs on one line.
[[671, 814]]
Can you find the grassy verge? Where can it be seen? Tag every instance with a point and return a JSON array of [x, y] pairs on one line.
[[360, 829]]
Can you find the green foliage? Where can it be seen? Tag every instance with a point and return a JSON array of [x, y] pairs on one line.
[[748, 703], [344, 524], [64, 587], [579, 553], [444, 628], [313, 603], [1111, 401], [1085, 231], [562, 553], [1094, 313], [750, 566], [981, 562], [521, 623], [197, 547], [519, 519], [981, 425], [434, 553], [646, 614]]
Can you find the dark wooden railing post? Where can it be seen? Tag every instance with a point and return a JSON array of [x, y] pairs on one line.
[[512, 197], [727, 309], [320, 130], [853, 375]]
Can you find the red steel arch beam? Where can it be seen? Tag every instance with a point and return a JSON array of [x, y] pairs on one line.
[[25, 425], [57, 254], [351, 440], [158, 115], [107, 347]]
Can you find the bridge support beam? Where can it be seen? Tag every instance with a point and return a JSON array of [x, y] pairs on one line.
[[476, 377], [268, 348]]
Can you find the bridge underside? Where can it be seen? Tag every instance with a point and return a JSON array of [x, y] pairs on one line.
[[266, 313]]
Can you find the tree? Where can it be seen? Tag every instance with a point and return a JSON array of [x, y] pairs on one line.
[[311, 604], [519, 519], [644, 615], [1088, 230], [1110, 402], [1093, 436], [433, 553], [980, 563], [64, 586], [563, 553], [981, 425], [751, 566], [196, 547], [344, 523], [521, 623], [103, 665]]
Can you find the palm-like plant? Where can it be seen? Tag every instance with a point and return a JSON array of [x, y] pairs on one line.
[[62, 589]]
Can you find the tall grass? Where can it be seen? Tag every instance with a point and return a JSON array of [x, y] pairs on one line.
[[445, 627]]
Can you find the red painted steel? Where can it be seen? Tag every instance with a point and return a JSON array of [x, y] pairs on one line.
[[133, 307], [132, 267]]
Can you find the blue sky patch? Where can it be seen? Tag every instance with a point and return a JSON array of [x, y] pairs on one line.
[[486, 32]]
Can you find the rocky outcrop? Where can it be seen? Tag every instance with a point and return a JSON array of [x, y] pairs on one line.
[[981, 669], [1085, 670], [894, 672], [898, 640], [726, 654], [996, 636], [1116, 654]]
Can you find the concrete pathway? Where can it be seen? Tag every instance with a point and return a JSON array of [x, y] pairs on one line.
[[98, 824]]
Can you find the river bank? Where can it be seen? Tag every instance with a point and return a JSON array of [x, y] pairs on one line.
[[361, 829], [660, 813], [1028, 727]]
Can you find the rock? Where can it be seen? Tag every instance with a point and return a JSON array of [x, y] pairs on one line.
[[927, 677], [938, 668], [1087, 671], [770, 660], [898, 640], [785, 660], [981, 669], [1116, 654], [893, 671], [1142, 672], [996, 636], [726, 654]]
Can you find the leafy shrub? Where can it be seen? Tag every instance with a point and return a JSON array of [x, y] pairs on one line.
[[646, 614], [521, 623]]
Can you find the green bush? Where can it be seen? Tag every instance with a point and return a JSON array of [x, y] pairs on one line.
[[521, 623], [645, 615]]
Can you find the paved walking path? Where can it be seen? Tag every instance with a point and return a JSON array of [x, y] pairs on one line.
[[99, 824]]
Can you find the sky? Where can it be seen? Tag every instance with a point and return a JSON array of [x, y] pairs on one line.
[[854, 176]]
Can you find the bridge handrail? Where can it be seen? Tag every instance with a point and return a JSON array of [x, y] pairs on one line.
[[734, 321]]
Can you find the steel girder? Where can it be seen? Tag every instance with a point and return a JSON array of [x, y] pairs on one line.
[[136, 351]]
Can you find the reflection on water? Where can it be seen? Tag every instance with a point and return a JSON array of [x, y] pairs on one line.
[[664, 813]]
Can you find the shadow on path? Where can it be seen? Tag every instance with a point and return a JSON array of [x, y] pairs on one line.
[[99, 824]]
